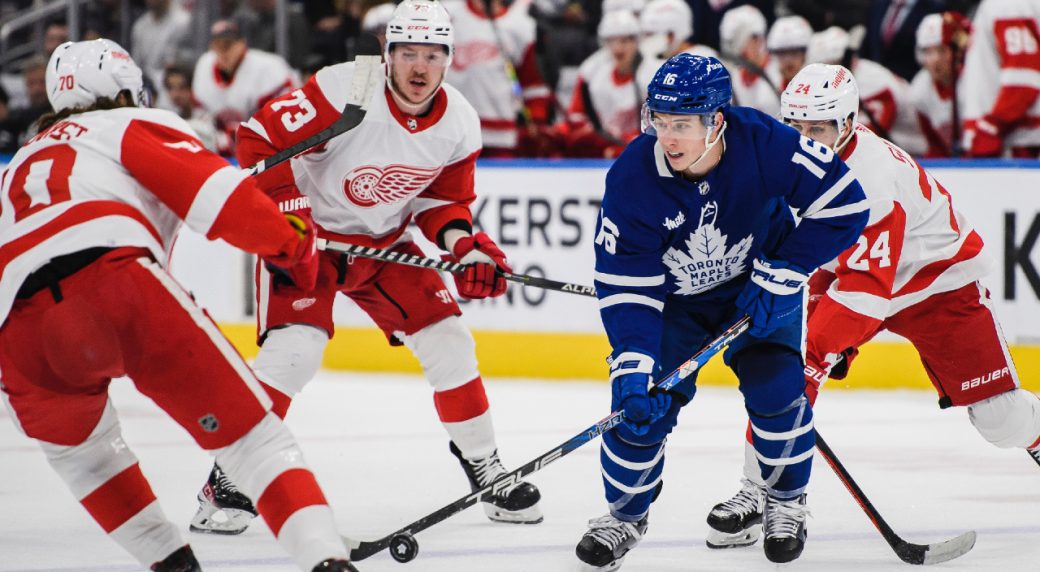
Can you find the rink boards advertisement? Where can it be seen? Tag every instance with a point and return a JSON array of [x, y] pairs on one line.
[[543, 215]]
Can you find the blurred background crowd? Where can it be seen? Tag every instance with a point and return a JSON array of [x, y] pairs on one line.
[[566, 78]]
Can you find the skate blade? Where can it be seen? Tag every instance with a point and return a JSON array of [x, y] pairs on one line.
[[529, 515], [719, 540], [585, 567], [212, 520]]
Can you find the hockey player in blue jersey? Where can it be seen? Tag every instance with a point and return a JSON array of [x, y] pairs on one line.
[[697, 230]]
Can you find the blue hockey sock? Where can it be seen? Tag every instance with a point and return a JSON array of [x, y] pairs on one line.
[[773, 384], [784, 446], [631, 473]]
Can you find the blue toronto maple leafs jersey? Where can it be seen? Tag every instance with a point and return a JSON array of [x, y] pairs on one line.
[[661, 237]]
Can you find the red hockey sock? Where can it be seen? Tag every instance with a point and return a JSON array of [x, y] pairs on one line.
[[462, 403]]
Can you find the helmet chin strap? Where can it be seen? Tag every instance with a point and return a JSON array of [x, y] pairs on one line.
[[708, 145], [844, 138], [404, 104]]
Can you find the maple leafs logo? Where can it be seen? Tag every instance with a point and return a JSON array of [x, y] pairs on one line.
[[706, 262]]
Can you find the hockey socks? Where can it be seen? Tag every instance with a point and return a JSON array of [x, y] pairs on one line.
[[784, 445], [631, 476]]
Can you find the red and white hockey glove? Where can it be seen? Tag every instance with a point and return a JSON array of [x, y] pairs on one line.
[[983, 139], [480, 280], [298, 262]]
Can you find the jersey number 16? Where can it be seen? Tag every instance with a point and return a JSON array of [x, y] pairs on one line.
[[816, 150]]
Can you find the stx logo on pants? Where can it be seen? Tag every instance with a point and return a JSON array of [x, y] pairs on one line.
[[984, 379]]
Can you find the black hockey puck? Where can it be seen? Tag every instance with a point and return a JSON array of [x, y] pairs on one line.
[[403, 547]]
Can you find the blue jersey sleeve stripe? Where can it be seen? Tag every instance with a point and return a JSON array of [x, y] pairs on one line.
[[829, 195], [620, 280], [840, 211], [631, 299]]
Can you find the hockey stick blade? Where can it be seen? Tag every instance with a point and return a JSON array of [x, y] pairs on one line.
[[363, 549], [906, 551], [448, 266], [368, 75]]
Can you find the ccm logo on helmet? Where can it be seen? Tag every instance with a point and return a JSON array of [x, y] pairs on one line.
[[665, 97], [417, 27], [120, 56]]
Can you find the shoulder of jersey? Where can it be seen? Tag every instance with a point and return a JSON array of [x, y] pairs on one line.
[[162, 117], [874, 164], [752, 124], [333, 83], [262, 59], [459, 108], [634, 168], [921, 84], [594, 63]]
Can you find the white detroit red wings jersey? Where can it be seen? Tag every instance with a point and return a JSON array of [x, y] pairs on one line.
[[122, 177], [915, 243], [616, 98], [1001, 75], [752, 90], [478, 70], [888, 98], [934, 107], [366, 185], [259, 78]]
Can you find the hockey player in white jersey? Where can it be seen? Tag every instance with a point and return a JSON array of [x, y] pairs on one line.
[[742, 33], [496, 68], [604, 111], [941, 41], [89, 212], [885, 100], [232, 80], [787, 42], [914, 271], [1001, 107], [411, 159], [667, 27]]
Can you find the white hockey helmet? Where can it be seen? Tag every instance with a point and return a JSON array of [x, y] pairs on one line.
[[634, 6], [930, 31], [828, 46], [789, 33], [738, 26], [618, 23], [822, 92], [661, 17], [420, 22], [377, 17], [79, 73]]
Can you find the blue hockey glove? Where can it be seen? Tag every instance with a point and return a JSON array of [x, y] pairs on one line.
[[773, 297], [630, 388]]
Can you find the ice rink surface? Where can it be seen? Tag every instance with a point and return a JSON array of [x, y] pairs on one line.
[[379, 452]]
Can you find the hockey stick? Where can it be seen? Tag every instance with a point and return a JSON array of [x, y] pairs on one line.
[[510, 69], [447, 266], [367, 73], [906, 551], [402, 544]]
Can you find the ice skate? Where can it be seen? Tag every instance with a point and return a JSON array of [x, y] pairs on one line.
[[516, 503], [223, 509], [608, 540], [737, 522], [784, 524], [180, 560], [338, 565]]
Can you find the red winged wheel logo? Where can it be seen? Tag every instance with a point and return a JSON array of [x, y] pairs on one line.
[[369, 186]]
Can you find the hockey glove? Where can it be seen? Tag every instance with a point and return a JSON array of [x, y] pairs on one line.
[[630, 391], [299, 261], [484, 257], [983, 139], [773, 296]]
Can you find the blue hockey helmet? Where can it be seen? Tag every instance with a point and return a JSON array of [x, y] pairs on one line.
[[689, 85]]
